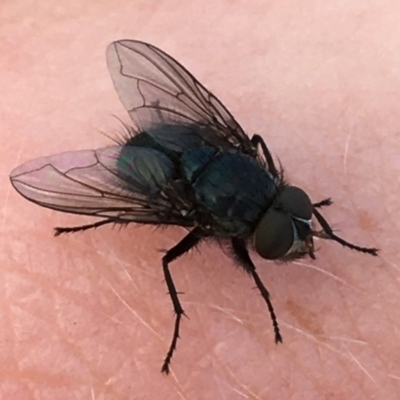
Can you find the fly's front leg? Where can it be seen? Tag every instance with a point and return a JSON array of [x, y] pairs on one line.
[[327, 233], [188, 242], [324, 203]]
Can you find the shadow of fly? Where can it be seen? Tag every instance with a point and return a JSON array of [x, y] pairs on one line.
[[185, 161]]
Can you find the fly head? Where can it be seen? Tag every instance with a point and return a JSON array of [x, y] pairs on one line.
[[285, 230]]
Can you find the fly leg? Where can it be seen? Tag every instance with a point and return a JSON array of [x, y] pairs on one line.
[[257, 140], [60, 230], [327, 233], [156, 106], [188, 242], [323, 203], [242, 256]]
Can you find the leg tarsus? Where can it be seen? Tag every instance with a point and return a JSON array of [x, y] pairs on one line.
[[324, 203], [172, 347], [60, 230]]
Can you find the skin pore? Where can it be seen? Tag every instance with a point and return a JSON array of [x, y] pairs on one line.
[[87, 315]]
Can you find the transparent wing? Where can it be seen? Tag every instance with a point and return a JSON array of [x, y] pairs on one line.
[[156, 89], [124, 184]]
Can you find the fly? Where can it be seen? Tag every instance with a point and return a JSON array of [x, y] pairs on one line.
[[186, 162]]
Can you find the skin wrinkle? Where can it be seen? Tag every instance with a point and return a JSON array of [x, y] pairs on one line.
[[300, 89], [343, 302], [112, 256], [133, 311], [327, 273], [346, 153], [360, 365], [349, 356]]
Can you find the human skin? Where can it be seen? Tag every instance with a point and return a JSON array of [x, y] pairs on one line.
[[87, 316]]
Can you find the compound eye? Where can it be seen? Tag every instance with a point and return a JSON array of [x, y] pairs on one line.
[[274, 235], [296, 202]]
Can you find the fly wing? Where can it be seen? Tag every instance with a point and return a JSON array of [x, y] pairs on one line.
[[125, 184], [157, 90]]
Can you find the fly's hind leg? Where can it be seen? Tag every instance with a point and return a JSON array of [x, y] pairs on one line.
[[60, 230]]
